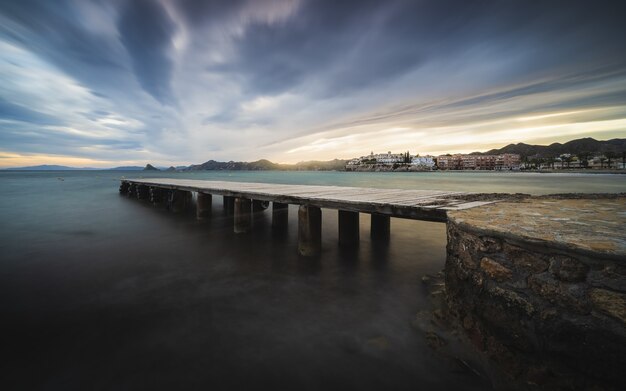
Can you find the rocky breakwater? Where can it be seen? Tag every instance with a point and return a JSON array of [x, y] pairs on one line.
[[539, 287]]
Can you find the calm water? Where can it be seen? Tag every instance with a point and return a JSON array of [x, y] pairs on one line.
[[98, 291]]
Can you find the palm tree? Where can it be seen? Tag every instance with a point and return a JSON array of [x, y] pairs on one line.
[[567, 159], [610, 155], [584, 158]]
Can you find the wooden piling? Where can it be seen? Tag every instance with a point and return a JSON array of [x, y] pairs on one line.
[[280, 215], [132, 190], [259, 206], [243, 215], [309, 230], [204, 203], [178, 200], [229, 204], [157, 195], [380, 227], [348, 228], [142, 192], [124, 187]]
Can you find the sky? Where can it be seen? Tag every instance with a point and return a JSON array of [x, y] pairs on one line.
[[103, 83]]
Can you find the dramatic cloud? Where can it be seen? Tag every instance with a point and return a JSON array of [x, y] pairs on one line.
[[146, 32], [178, 82]]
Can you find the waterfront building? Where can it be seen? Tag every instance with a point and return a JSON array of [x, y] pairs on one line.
[[423, 161], [507, 161], [450, 162], [389, 158]]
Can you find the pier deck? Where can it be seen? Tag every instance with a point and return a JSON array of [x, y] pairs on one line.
[[242, 198], [430, 205]]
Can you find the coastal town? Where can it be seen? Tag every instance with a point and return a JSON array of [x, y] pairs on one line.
[[474, 161]]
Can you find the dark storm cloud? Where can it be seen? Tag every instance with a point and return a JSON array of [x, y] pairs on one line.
[[200, 12], [342, 46], [146, 32]]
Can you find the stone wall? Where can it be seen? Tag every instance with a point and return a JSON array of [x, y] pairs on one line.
[[544, 315]]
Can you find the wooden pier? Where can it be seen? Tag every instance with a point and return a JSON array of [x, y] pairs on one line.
[[242, 198]]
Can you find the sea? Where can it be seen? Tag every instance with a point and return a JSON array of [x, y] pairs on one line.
[[99, 291]]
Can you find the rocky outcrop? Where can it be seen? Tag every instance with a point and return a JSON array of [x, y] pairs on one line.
[[547, 312]]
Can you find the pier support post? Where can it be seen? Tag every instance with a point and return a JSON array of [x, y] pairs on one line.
[[203, 205], [142, 192], [380, 228], [124, 187], [157, 195], [259, 206], [280, 215], [178, 200], [348, 228], [229, 204], [309, 230], [132, 190], [243, 215]]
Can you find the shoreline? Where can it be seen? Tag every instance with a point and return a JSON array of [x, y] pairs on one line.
[[575, 171]]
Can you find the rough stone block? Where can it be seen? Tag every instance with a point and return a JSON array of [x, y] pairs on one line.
[[611, 276], [545, 286], [610, 303], [524, 260], [512, 300], [573, 297], [567, 269], [495, 270], [466, 258], [490, 245]]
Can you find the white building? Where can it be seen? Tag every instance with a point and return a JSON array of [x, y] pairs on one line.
[[388, 158], [423, 161]]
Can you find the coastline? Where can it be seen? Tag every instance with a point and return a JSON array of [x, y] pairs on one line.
[[575, 171]]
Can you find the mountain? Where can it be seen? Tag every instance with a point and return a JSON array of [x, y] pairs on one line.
[[53, 167], [267, 165], [317, 165], [150, 167], [215, 165], [125, 168], [587, 144], [50, 167]]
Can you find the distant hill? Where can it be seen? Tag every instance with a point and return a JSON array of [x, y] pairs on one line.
[[317, 165], [587, 144], [53, 167], [265, 164], [125, 168], [215, 165], [150, 167], [50, 167]]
